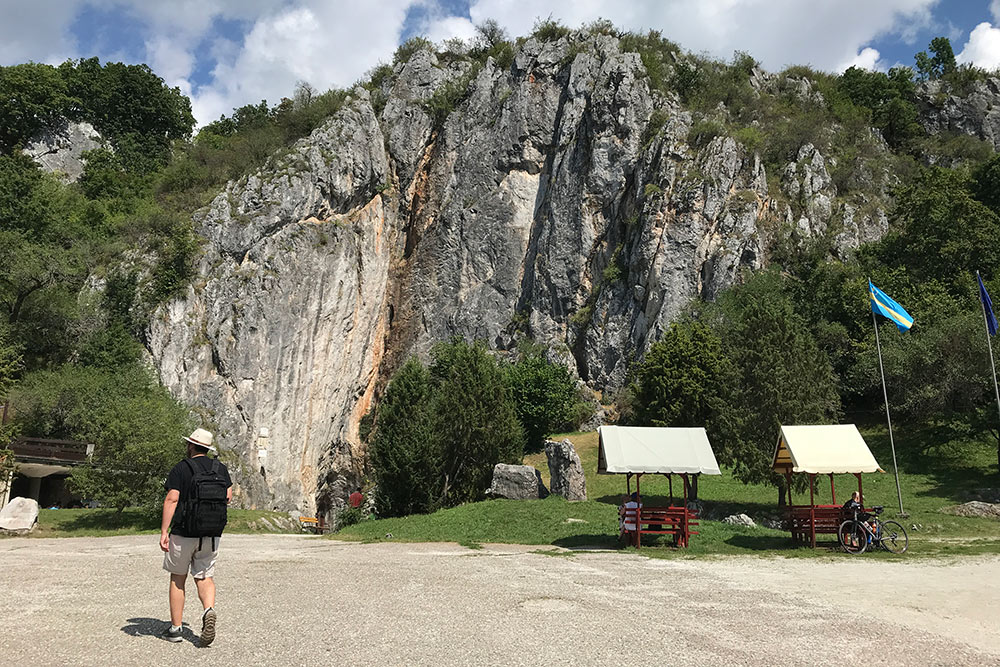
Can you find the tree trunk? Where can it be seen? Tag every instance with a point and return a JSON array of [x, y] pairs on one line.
[[781, 495], [694, 487]]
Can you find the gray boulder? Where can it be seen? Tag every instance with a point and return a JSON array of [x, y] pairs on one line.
[[975, 508], [566, 476], [19, 515], [516, 483], [740, 520]]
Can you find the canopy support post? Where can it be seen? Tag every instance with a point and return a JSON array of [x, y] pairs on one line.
[[628, 484], [812, 510], [670, 480], [684, 531], [861, 499], [833, 492], [638, 513]]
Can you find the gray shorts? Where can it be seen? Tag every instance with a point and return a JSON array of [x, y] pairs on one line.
[[184, 554]]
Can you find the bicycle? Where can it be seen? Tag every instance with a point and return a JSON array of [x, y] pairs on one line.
[[856, 536]]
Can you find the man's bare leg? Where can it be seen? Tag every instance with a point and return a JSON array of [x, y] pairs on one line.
[[177, 598], [206, 592]]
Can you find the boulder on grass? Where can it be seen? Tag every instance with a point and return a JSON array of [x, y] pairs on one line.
[[566, 476], [19, 516], [516, 483], [740, 520], [975, 508]]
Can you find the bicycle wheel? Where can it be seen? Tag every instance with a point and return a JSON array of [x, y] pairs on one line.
[[852, 537], [894, 537]]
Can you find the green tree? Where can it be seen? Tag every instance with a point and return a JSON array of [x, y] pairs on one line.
[[135, 425], [941, 232], [782, 375], [474, 418], [684, 378], [544, 395], [32, 96], [405, 451], [938, 65]]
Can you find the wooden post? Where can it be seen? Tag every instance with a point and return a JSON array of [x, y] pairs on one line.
[[628, 484], [833, 493], [638, 513], [684, 526], [858, 475], [670, 480], [812, 510]]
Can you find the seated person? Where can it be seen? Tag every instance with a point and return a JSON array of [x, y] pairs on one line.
[[853, 509], [628, 503]]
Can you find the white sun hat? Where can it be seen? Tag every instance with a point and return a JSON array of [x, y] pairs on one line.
[[202, 438]]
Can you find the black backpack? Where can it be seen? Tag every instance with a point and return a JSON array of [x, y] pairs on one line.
[[205, 506]]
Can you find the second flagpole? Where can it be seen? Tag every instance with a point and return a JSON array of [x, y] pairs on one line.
[[885, 393], [989, 346]]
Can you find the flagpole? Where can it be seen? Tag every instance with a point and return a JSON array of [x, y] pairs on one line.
[[989, 346], [885, 393]]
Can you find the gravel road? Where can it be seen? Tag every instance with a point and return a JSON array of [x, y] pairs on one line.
[[291, 600]]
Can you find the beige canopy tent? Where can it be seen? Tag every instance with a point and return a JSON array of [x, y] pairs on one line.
[[649, 449], [827, 449], [634, 451]]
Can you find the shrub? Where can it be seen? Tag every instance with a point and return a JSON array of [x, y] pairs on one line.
[[549, 30], [406, 50], [544, 395]]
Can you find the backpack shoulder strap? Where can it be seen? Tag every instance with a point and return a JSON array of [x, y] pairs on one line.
[[191, 465], [215, 466]]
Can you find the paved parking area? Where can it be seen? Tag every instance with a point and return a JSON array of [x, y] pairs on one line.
[[286, 599]]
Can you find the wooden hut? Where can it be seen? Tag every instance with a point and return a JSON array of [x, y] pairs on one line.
[[828, 449]]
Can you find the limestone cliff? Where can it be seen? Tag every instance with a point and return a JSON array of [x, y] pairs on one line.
[[545, 204]]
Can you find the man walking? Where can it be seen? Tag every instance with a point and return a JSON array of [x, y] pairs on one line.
[[194, 516]]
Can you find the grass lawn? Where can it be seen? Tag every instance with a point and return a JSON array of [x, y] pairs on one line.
[[932, 476], [133, 521]]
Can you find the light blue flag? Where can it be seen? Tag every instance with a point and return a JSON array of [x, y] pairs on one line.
[[889, 309]]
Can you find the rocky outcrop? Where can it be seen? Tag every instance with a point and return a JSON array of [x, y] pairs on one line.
[[566, 476], [975, 112], [19, 516], [544, 205], [516, 483], [60, 148]]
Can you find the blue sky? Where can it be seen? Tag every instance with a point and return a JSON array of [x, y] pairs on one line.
[[225, 53]]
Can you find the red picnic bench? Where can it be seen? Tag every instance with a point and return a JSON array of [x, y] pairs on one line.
[[638, 521], [806, 521]]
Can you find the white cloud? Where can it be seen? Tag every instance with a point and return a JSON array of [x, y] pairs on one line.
[[983, 47], [776, 32], [317, 42], [868, 58], [333, 42], [449, 27], [37, 30]]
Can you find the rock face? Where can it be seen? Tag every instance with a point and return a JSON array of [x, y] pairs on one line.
[[517, 483], [60, 149], [547, 204], [19, 515], [976, 112], [566, 476]]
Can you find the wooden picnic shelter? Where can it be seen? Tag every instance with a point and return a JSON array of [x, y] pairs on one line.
[[635, 451], [815, 450]]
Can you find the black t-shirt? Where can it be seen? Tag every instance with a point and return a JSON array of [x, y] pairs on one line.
[[180, 478]]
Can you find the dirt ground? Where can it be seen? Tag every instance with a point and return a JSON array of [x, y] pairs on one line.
[[293, 600]]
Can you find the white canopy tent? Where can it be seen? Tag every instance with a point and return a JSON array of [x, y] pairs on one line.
[[658, 450], [822, 450]]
